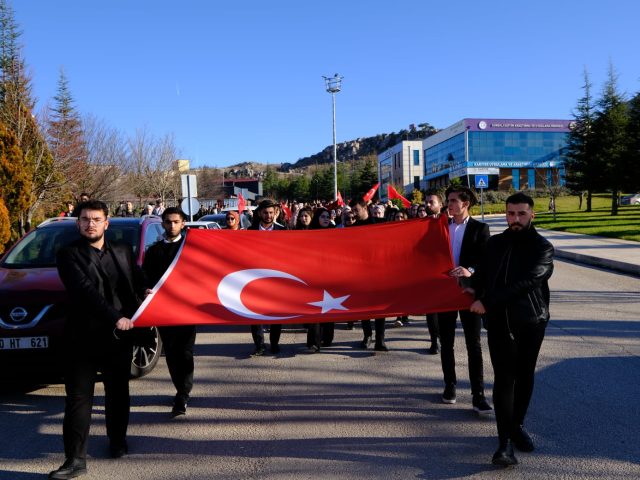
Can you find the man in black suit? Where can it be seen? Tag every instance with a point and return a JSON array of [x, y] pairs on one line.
[[468, 238], [265, 220], [178, 341], [104, 286]]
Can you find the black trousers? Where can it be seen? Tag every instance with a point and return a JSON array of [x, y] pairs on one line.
[[113, 360], [432, 326], [320, 334], [471, 324], [257, 332], [514, 364], [178, 349], [380, 328]]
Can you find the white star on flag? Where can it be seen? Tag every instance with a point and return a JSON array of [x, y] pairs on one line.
[[329, 303]]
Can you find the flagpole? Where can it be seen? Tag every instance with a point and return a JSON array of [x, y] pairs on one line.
[[333, 86]]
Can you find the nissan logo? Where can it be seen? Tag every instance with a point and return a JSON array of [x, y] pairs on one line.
[[18, 314]]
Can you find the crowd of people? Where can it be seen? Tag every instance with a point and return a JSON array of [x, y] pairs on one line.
[[506, 275]]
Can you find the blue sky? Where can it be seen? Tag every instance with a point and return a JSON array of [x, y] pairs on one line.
[[242, 81]]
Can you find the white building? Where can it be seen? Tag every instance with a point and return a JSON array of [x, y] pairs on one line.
[[402, 164]]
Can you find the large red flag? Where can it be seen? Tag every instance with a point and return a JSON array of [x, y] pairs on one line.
[[393, 193], [242, 204], [369, 195], [381, 270]]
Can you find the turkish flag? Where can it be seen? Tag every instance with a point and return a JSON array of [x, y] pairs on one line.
[[286, 210], [339, 200], [290, 276], [393, 193], [242, 204], [369, 195]]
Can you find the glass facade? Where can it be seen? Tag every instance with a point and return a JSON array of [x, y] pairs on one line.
[[516, 149], [444, 157]]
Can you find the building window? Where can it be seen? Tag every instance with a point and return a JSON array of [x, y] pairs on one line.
[[515, 178], [532, 178], [416, 157]]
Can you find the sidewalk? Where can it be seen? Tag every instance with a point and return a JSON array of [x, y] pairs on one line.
[[609, 253]]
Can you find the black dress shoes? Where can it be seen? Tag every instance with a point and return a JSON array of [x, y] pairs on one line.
[[504, 455], [433, 349], [521, 439], [275, 349], [179, 405], [380, 346], [71, 468], [366, 341], [118, 449]]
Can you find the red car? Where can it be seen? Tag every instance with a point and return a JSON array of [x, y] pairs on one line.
[[33, 300]]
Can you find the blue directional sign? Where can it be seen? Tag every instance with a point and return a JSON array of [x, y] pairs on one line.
[[482, 181]]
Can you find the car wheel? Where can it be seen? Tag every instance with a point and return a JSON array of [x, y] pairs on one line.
[[145, 357]]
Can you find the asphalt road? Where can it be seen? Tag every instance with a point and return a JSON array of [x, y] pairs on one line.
[[353, 414]]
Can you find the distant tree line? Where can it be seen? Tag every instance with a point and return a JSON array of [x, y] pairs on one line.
[[603, 153]]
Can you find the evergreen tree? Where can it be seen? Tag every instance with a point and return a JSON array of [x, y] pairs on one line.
[[583, 172], [66, 140], [632, 157], [610, 138]]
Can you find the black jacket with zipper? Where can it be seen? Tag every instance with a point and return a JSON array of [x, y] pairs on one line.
[[511, 280]]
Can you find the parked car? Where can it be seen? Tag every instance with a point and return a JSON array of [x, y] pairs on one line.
[[219, 218], [203, 224], [33, 301], [630, 199]]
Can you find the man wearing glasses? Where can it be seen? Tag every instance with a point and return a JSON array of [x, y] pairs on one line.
[[104, 286]]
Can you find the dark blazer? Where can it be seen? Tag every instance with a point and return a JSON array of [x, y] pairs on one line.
[[90, 312], [276, 226], [476, 235]]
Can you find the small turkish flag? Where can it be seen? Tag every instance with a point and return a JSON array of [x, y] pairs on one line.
[[286, 279], [286, 210], [369, 195], [242, 204], [393, 193], [339, 199]]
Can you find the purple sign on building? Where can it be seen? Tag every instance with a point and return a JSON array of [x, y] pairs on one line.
[[517, 125]]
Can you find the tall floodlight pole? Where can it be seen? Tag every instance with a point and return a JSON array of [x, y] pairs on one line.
[[333, 85]]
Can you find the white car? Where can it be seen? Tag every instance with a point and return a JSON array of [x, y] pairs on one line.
[[630, 199], [203, 225]]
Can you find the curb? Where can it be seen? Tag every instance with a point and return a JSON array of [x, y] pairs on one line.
[[614, 265]]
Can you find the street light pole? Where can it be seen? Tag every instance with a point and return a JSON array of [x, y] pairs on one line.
[[333, 85]]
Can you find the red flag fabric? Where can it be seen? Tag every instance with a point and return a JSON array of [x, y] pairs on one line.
[[286, 210], [340, 201], [383, 270], [369, 195], [393, 193], [242, 204]]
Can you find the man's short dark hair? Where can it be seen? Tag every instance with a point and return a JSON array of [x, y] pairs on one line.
[[464, 193], [435, 193], [520, 197], [173, 211], [92, 205], [360, 202]]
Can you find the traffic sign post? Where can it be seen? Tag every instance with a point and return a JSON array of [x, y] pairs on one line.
[[482, 182], [189, 192]]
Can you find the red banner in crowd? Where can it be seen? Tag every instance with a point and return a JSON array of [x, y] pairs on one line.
[[372, 191], [393, 193], [339, 274]]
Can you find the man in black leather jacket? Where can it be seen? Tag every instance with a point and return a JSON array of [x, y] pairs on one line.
[[511, 289]]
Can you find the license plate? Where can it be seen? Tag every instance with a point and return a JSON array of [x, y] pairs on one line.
[[20, 343]]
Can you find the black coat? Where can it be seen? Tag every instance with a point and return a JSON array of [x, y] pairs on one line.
[[90, 313], [476, 235], [511, 280]]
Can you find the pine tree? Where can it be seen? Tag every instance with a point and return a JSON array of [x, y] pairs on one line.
[[583, 174], [66, 140], [610, 137], [632, 157]]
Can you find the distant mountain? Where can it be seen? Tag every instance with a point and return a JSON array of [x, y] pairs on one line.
[[349, 150]]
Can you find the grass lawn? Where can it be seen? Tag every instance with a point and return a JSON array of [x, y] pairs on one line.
[[625, 225]]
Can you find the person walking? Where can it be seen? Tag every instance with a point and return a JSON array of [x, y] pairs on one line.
[[468, 238], [512, 290], [265, 220], [178, 341], [104, 286]]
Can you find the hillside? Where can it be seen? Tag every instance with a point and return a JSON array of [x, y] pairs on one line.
[[350, 150]]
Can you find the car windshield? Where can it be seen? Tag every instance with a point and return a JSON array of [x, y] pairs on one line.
[[39, 247]]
